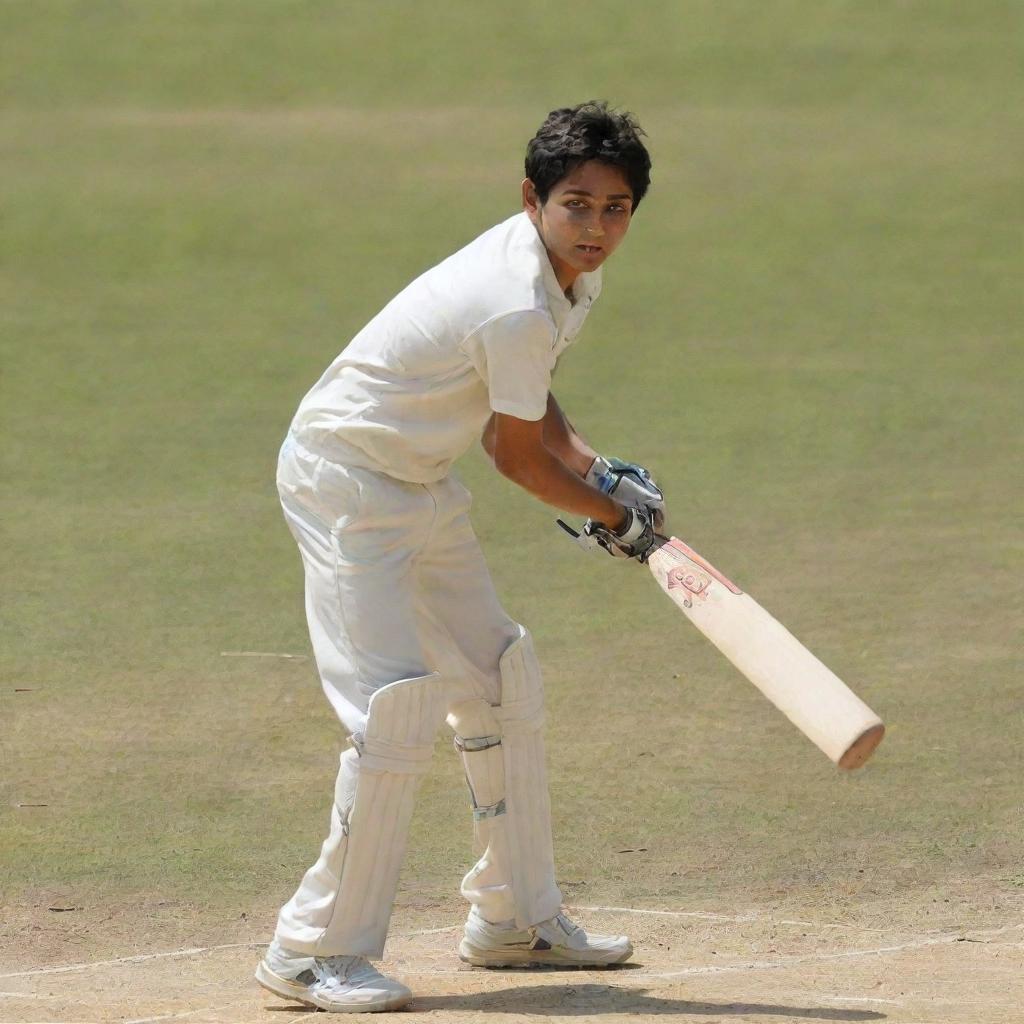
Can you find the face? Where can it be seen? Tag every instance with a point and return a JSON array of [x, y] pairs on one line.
[[586, 216]]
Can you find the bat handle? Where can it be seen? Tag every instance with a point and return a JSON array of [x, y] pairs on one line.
[[568, 529]]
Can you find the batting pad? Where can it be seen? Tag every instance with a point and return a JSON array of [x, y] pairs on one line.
[[515, 876], [344, 903]]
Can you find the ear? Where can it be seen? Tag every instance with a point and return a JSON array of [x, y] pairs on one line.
[[531, 201]]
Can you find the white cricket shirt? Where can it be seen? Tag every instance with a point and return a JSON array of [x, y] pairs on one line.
[[480, 332]]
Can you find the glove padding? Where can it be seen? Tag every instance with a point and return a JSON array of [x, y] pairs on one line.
[[636, 539], [629, 483]]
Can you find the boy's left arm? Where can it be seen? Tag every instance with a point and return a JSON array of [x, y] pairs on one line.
[[628, 482], [560, 438]]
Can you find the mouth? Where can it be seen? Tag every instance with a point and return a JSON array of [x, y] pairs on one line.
[[590, 250]]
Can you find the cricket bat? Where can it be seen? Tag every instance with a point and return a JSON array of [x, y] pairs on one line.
[[806, 691]]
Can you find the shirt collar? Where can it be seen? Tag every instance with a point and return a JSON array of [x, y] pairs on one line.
[[585, 288]]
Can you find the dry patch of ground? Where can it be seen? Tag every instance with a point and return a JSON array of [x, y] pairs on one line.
[[690, 965]]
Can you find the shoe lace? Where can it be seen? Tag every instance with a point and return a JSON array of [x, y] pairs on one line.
[[346, 970]]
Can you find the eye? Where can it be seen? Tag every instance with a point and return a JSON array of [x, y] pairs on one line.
[[575, 203]]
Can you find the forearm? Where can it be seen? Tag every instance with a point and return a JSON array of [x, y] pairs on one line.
[[547, 477], [561, 438]]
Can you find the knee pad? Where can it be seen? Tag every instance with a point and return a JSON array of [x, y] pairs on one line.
[[522, 689], [401, 723]]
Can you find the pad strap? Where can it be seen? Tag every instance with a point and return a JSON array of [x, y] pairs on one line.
[[474, 744]]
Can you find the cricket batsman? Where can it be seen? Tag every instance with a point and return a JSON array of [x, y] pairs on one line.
[[406, 628]]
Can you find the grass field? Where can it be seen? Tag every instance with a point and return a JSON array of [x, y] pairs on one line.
[[812, 335]]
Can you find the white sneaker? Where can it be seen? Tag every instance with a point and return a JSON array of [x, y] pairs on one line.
[[338, 984], [556, 941]]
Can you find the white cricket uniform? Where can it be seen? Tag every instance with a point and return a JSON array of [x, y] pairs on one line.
[[404, 620]]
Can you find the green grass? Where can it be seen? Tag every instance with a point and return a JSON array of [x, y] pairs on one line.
[[811, 334]]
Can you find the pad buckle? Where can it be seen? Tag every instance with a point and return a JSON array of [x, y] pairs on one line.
[[483, 813]]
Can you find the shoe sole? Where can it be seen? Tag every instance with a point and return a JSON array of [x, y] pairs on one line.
[[296, 991], [470, 954]]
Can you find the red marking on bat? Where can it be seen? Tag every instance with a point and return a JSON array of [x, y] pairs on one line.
[[681, 576], [685, 549]]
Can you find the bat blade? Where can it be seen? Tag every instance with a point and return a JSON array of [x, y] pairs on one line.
[[803, 688]]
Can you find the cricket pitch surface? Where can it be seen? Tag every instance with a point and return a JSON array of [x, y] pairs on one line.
[[689, 965]]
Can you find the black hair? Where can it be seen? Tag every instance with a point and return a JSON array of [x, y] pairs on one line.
[[571, 136]]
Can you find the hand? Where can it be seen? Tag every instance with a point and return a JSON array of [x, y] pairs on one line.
[[630, 484], [636, 538]]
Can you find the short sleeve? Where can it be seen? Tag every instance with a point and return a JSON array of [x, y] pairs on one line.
[[515, 356]]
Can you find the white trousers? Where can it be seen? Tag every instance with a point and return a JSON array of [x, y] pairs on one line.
[[406, 628]]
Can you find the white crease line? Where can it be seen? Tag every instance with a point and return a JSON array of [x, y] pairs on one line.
[[27, 995], [704, 916], [133, 959], [822, 924], [664, 913], [263, 654], [786, 961]]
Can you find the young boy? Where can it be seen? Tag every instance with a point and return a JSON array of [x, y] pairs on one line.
[[406, 628]]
